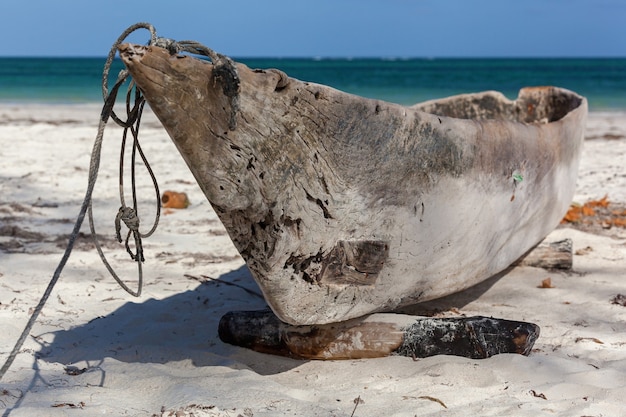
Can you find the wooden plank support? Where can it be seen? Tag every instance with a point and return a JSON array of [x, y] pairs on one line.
[[378, 335]]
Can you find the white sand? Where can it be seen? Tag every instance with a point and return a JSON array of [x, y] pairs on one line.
[[160, 353]]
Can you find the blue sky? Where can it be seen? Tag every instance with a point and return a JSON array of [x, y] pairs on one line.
[[325, 28]]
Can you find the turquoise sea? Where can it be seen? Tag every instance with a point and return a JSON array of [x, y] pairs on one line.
[[405, 81]]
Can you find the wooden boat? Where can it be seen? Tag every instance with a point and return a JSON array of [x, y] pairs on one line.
[[343, 206]]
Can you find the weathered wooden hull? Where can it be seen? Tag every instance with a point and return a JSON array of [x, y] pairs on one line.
[[343, 206]]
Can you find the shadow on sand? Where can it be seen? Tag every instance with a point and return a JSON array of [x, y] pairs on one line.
[[184, 327], [177, 328]]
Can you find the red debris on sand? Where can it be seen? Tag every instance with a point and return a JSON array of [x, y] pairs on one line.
[[596, 212]]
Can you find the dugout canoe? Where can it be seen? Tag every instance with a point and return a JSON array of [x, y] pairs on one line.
[[343, 206]]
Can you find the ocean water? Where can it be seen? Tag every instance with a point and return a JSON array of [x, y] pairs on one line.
[[404, 81]]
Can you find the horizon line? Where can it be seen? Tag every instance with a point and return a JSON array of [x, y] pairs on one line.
[[341, 57]]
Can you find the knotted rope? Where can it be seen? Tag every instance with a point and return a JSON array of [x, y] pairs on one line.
[[224, 69], [130, 219]]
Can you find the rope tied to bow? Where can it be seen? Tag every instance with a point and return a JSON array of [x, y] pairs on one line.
[[225, 71]]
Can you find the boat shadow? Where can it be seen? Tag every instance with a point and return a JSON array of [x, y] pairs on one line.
[[182, 327]]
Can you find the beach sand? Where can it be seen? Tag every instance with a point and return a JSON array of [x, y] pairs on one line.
[[96, 350]]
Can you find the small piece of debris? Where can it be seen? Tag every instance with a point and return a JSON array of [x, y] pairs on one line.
[[74, 371], [356, 401], [593, 339], [70, 405], [429, 398], [546, 283], [619, 299], [174, 200], [538, 395], [584, 251]]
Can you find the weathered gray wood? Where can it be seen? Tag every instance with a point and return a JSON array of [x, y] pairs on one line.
[[342, 206], [379, 335], [550, 255]]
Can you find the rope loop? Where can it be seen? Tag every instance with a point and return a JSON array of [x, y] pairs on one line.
[[130, 124], [128, 215]]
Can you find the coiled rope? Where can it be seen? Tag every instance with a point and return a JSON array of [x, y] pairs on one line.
[[224, 69]]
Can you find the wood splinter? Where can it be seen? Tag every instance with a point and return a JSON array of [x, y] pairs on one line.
[[378, 335]]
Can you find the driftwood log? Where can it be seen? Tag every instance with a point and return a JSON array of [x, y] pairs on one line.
[[379, 335], [550, 255], [343, 206]]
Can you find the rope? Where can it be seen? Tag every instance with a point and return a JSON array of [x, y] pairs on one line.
[[94, 165], [129, 215], [224, 71]]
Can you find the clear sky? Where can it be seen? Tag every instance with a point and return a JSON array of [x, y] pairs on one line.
[[325, 28]]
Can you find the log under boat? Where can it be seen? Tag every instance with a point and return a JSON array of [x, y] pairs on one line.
[[343, 206]]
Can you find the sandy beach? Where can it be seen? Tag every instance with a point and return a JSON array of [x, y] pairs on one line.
[[96, 350]]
